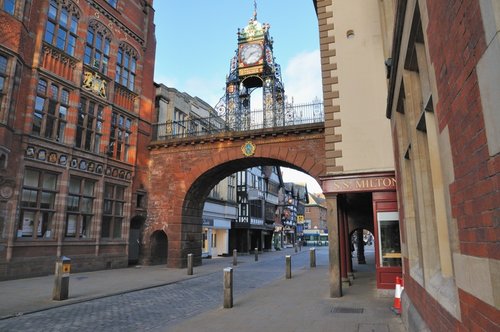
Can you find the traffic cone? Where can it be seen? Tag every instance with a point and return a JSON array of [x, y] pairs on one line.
[[397, 296]]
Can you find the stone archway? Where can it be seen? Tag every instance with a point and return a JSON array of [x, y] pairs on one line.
[[159, 248], [183, 173]]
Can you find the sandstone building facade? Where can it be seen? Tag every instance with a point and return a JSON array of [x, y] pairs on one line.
[[76, 97], [442, 68]]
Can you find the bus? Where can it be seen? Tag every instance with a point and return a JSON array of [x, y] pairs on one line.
[[315, 237]]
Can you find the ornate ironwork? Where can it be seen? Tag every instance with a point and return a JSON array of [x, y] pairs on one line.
[[226, 121]]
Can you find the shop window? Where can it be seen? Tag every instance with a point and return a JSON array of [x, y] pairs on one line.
[[79, 207], [89, 125], [112, 220], [119, 139], [37, 204], [62, 26], [51, 108], [97, 47], [389, 242]]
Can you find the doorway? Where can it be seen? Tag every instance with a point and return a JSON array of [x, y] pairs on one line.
[[159, 248], [134, 240]]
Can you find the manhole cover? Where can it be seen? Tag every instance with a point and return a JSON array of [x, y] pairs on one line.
[[344, 310]]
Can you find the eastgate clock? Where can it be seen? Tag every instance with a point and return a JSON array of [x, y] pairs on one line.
[[251, 53]]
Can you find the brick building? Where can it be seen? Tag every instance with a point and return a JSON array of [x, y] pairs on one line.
[[315, 212], [76, 97], [442, 60], [443, 108]]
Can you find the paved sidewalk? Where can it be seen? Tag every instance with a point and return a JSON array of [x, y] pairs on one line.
[[23, 296], [298, 304], [303, 304]]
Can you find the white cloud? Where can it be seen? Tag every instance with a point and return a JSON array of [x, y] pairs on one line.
[[302, 77], [291, 175]]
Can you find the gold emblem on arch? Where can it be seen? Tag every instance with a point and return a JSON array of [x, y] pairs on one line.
[[248, 148]]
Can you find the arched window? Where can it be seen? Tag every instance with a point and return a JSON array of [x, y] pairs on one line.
[[62, 26], [126, 61], [51, 108], [97, 47]]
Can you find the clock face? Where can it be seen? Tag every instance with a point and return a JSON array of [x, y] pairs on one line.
[[250, 53]]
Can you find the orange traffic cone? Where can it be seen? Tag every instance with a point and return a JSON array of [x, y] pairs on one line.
[[397, 296]]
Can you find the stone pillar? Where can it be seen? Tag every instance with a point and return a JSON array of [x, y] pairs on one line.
[[343, 247], [333, 248], [361, 247]]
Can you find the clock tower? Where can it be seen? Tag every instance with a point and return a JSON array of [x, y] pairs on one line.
[[253, 67]]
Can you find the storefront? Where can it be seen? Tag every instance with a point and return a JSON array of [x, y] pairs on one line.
[[368, 202], [215, 237]]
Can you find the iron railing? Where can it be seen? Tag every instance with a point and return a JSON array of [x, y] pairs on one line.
[[252, 120]]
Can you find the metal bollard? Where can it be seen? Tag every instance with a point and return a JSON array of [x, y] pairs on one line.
[[288, 266], [235, 257], [61, 281], [296, 245], [312, 257], [256, 254], [228, 287], [190, 265]]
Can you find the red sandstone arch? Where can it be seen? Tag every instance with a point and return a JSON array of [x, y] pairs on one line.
[[182, 175]]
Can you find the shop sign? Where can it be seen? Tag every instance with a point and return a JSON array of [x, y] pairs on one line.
[[360, 184]]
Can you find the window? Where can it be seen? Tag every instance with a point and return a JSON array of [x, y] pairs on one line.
[[3, 76], [97, 48], [79, 207], [113, 3], [389, 243], [119, 140], [256, 208], [9, 6], [114, 200], [231, 188], [62, 26], [215, 192], [179, 125], [37, 204], [89, 125], [125, 67], [51, 108]]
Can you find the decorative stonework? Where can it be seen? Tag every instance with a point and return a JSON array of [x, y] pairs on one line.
[[59, 55], [94, 83], [100, 28], [119, 24], [81, 164]]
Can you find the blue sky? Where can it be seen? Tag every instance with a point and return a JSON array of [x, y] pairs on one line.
[[196, 40]]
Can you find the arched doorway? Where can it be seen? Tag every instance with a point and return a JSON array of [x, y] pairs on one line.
[[159, 248], [134, 240]]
